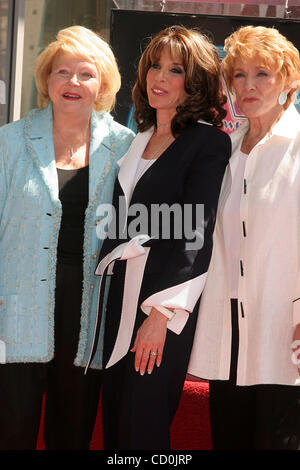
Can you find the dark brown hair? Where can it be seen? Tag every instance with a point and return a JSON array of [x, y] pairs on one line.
[[201, 63]]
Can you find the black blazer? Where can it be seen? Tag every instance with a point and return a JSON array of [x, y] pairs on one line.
[[190, 171]]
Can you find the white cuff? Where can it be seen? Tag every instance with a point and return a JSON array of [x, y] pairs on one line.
[[165, 311], [178, 320], [181, 299], [182, 296]]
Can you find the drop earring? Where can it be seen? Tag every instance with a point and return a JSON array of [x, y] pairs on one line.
[[282, 98]]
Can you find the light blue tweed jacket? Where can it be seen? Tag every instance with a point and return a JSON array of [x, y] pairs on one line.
[[30, 216]]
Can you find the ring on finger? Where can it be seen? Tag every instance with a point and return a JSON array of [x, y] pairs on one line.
[[153, 353]]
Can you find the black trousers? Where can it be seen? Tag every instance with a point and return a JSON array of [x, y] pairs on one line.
[[71, 397], [138, 410], [249, 417]]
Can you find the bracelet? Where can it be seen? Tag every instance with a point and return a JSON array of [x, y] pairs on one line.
[[165, 311]]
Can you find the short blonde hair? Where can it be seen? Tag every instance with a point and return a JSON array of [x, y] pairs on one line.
[[81, 41], [269, 47]]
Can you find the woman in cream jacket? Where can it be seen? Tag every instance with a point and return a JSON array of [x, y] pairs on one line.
[[249, 315]]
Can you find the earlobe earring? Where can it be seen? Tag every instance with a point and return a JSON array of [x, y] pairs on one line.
[[282, 98]]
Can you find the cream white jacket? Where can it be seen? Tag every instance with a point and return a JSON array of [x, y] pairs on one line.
[[269, 282]]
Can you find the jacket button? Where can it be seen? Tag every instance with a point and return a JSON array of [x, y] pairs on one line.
[[242, 268], [244, 229], [242, 309]]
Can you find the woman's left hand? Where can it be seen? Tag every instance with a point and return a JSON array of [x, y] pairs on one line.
[[149, 342], [296, 346]]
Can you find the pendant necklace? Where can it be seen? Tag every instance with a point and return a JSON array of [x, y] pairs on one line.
[[72, 155], [150, 161], [160, 147]]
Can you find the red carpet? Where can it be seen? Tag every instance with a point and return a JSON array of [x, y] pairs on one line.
[[190, 429]]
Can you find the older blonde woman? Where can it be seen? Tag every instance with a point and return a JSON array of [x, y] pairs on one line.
[[56, 166], [250, 309]]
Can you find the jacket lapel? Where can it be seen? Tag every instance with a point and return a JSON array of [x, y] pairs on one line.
[[101, 150], [130, 162], [39, 139], [236, 138], [38, 136]]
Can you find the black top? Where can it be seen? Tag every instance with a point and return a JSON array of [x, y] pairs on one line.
[[74, 196]]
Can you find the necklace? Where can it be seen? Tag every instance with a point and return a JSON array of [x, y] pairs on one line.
[[149, 161], [70, 149], [72, 153], [161, 124], [158, 150]]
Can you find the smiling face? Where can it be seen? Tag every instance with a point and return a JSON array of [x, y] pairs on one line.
[[73, 84], [165, 84], [257, 89]]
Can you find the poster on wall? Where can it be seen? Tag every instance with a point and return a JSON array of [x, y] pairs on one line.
[[132, 30]]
